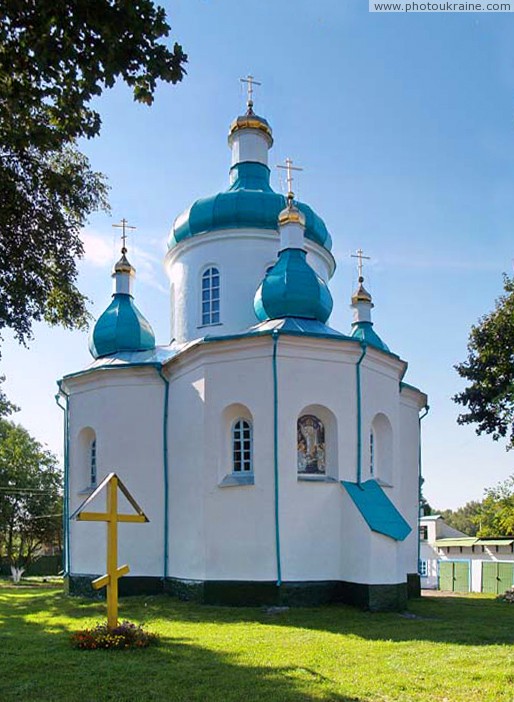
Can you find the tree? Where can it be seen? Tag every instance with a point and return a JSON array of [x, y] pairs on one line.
[[56, 56], [489, 368], [496, 517], [6, 407], [30, 498]]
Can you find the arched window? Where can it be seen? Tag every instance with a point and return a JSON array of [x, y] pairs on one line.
[[311, 445], [92, 463], [211, 296], [242, 446], [381, 459]]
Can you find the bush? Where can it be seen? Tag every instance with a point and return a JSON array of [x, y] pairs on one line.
[[125, 635], [508, 596]]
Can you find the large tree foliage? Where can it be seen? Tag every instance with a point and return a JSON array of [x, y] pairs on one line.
[[6, 407], [489, 368], [55, 57], [496, 517], [30, 497]]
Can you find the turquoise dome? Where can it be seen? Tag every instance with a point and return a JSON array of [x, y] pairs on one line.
[[292, 289], [249, 202], [364, 332], [121, 327]]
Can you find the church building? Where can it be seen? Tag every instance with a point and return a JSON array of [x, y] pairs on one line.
[[277, 459]]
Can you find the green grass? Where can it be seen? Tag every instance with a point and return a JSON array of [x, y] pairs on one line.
[[457, 649]]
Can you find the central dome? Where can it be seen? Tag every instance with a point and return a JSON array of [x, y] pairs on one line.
[[249, 202]]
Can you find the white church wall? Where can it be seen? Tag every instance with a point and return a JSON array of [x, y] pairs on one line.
[[187, 455], [240, 540], [311, 374], [124, 409], [411, 403], [242, 257]]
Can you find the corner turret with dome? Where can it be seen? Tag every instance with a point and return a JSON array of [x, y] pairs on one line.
[[276, 458], [121, 327], [291, 288], [362, 304]]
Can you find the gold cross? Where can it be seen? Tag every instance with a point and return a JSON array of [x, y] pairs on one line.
[[112, 517], [360, 255], [289, 175], [124, 225], [250, 81]]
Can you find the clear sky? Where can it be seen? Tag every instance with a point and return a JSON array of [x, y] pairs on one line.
[[404, 125]]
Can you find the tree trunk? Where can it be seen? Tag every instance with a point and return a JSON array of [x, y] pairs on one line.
[[16, 573]]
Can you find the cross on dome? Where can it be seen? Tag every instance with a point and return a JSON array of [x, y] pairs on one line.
[[289, 168], [360, 256], [124, 225], [250, 82]]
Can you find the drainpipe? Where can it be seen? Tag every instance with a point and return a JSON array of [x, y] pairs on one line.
[[275, 335], [426, 409], [66, 495], [364, 347], [165, 474]]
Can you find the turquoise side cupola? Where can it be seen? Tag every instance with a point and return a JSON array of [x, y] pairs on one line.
[[249, 202], [362, 326], [121, 327], [292, 288]]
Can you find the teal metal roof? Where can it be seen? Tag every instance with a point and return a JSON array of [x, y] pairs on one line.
[[121, 327], [364, 332], [292, 289], [249, 202], [377, 509]]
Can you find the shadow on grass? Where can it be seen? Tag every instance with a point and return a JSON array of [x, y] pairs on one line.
[[458, 620], [454, 620], [37, 662]]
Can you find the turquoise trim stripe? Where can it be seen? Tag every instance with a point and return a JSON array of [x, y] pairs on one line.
[[111, 367], [165, 473], [275, 456], [66, 487], [359, 412], [377, 509]]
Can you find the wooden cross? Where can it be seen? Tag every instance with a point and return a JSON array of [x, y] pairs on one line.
[[112, 517], [124, 225], [360, 256], [250, 82], [289, 175]]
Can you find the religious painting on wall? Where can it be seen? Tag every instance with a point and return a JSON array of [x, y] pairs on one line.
[[311, 445]]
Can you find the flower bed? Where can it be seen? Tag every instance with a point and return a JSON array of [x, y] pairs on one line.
[[125, 635]]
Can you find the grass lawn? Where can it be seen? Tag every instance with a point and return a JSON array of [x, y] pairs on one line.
[[456, 649]]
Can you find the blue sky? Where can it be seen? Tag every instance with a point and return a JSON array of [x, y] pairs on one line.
[[404, 125]]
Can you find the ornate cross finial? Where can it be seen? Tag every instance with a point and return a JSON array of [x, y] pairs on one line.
[[289, 175], [250, 82], [360, 256], [124, 225]]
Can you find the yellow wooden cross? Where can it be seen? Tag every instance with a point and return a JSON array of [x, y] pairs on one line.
[[112, 517]]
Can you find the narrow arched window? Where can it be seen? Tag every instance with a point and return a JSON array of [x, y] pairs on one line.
[[311, 445], [211, 296], [92, 463], [371, 452], [242, 446]]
